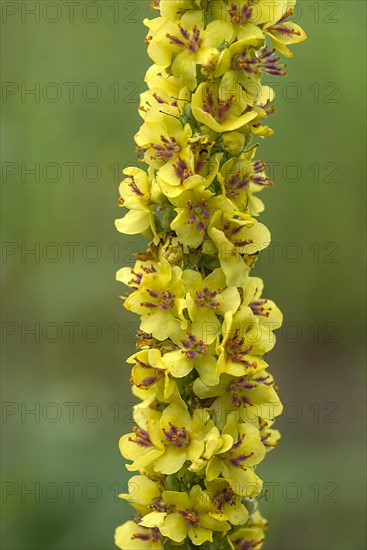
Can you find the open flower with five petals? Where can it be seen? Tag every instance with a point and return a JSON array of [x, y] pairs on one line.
[[227, 505], [221, 109], [245, 341], [186, 44], [132, 536], [184, 437], [167, 440], [235, 461], [274, 15], [240, 178], [144, 444], [132, 276], [192, 352], [188, 516], [195, 209], [266, 310], [236, 240], [159, 298], [242, 398], [164, 91], [207, 298], [135, 194], [151, 379], [162, 137], [142, 491]]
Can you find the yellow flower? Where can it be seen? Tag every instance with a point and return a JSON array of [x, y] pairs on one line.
[[208, 298], [160, 297], [242, 14], [241, 177], [144, 444], [190, 517], [191, 352], [245, 341], [236, 460], [132, 276], [274, 15], [135, 192], [151, 379], [266, 310], [162, 137], [131, 536], [262, 110], [184, 173], [166, 441], [236, 242], [184, 437], [227, 506], [222, 110], [243, 63], [195, 208], [142, 491], [247, 537], [269, 436], [186, 43], [164, 91]]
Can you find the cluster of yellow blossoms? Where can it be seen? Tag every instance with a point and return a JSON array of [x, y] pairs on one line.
[[207, 399]]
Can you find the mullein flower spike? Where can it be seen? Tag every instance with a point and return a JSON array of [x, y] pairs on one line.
[[208, 402]]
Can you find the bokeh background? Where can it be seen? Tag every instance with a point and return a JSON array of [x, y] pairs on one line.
[[61, 469]]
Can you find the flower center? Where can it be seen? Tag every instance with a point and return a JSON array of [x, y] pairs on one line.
[[193, 347], [137, 277], [227, 496], [198, 214], [240, 388], [268, 111], [141, 437], [190, 517], [236, 397], [231, 232], [259, 309], [158, 505], [265, 435], [177, 436], [190, 40], [167, 149], [242, 544], [134, 187], [165, 299], [152, 534], [237, 350], [265, 62], [238, 459], [240, 15], [259, 167], [218, 109], [181, 169], [279, 27], [205, 298], [237, 182], [147, 381]]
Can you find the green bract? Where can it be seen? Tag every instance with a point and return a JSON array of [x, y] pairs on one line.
[[207, 400]]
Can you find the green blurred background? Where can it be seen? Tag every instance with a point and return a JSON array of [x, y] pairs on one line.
[[61, 469]]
